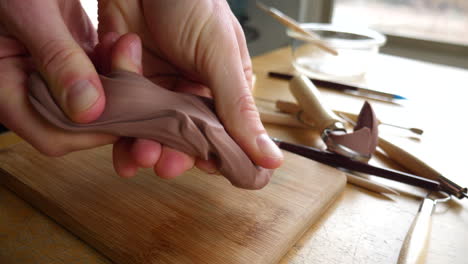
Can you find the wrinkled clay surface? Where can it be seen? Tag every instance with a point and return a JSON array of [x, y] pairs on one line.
[[136, 107]]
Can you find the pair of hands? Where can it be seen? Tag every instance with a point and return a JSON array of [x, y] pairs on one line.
[[186, 46]]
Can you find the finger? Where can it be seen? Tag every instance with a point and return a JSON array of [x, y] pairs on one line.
[[208, 166], [172, 163], [70, 75], [234, 102], [145, 152], [126, 54], [10, 47], [102, 52], [18, 115], [124, 164]]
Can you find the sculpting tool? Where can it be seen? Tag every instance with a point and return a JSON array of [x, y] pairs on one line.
[[351, 156], [343, 87], [416, 165], [358, 144], [414, 130], [414, 248], [294, 25], [276, 118], [270, 116], [339, 161], [368, 184], [293, 108]]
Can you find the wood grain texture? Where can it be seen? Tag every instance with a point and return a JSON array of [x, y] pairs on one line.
[[363, 227], [360, 227], [196, 218], [28, 237]]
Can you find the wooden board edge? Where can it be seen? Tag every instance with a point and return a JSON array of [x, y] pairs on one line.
[[312, 219], [40, 203]]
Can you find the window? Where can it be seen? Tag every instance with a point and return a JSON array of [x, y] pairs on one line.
[[429, 30], [435, 20]]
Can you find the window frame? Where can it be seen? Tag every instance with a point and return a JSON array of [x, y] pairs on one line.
[[417, 48]]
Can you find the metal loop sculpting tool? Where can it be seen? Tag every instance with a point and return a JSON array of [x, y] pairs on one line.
[[357, 145], [294, 109], [332, 128], [415, 245]]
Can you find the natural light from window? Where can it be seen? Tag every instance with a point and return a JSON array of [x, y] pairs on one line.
[[438, 20]]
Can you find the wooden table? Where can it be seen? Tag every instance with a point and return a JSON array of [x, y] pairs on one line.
[[361, 227]]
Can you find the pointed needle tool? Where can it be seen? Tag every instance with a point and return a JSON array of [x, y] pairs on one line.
[[352, 89]]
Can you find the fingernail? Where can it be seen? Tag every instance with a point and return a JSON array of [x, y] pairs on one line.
[[268, 147], [81, 96], [135, 53]]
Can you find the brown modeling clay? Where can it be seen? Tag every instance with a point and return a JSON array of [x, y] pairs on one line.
[[136, 107], [365, 136]]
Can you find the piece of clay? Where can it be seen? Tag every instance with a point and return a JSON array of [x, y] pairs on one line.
[[136, 107], [365, 136], [368, 119]]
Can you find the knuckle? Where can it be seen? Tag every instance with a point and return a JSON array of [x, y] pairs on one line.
[[248, 115], [249, 77], [248, 67], [54, 54], [246, 105]]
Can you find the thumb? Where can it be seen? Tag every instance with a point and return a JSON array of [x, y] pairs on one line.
[[71, 77]]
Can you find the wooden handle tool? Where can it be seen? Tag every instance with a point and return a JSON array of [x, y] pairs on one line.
[[293, 108], [294, 25], [418, 167], [358, 145], [309, 99], [368, 184], [414, 248], [280, 119]]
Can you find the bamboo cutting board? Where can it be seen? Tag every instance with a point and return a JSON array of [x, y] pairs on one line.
[[196, 218]]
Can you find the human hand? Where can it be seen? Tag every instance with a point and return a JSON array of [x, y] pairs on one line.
[[197, 47], [56, 38], [57, 45], [52, 37]]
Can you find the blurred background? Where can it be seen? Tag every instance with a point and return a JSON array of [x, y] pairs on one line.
[[430, 30]]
